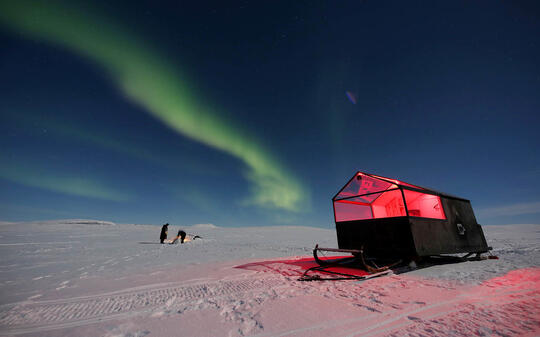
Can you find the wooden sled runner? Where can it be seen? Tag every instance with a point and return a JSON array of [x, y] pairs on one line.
[[354, 267], [360, 267]]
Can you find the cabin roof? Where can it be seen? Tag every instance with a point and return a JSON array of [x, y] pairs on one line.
[[365, 184]]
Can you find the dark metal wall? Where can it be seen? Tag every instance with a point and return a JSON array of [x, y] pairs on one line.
[[379, 237], [443, 236]]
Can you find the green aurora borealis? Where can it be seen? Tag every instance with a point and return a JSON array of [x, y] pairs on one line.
[[71, 184], [152, 82]]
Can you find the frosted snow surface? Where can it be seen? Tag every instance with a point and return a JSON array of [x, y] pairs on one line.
[[97, 278]]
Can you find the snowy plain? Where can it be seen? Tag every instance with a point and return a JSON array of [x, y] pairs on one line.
[[96, 278]]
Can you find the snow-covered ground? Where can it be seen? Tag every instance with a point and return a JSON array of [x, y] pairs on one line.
[[94, 278]]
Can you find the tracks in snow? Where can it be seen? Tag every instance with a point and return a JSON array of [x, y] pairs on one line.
[[508, 306], [397, 305], [49, 315]]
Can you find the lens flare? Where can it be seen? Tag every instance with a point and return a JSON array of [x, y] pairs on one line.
[[153, 83], [351, 96]]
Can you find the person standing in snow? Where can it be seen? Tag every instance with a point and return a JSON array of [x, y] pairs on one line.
[[163, 234]]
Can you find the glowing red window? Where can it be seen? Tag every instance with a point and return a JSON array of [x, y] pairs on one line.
[[362, 184], [346, 211], [389, 204], [424, 205], [377, 205], [367, 196]]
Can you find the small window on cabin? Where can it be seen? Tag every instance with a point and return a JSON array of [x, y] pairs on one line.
[[424, 205], [363, 184], [372, 206]]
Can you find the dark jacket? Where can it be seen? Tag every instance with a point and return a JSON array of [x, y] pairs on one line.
[[163, 234]]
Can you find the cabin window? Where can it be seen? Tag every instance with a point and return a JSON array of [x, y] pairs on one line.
[[375, 205], [368, 196], [424, 205]]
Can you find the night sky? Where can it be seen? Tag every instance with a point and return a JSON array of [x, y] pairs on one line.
[[257, 112]]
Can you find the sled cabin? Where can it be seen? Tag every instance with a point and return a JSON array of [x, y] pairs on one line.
[[390, 218]]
